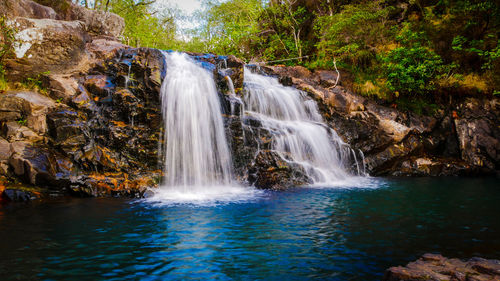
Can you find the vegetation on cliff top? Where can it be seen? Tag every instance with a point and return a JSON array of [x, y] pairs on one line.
[[401, 51]]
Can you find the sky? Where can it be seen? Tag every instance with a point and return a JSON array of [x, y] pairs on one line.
[[188, 7]]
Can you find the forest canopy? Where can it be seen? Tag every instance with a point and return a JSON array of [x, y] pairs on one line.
[[393, 48]]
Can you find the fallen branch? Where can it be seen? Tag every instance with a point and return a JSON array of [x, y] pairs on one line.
[[338, 73]]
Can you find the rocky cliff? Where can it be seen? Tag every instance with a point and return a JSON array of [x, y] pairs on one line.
[[95, 130]]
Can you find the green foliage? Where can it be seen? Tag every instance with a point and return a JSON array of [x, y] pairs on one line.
[[230, 27], [353, 35], [284, 29], [35, 83], [412, 67], [22, 121], [487, 56], [145, 26]]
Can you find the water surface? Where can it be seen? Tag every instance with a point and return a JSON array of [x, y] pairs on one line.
[[306, 233]]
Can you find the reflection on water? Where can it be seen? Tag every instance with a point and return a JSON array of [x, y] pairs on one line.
[[335, 234]]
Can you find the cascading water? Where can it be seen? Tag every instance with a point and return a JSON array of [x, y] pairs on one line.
[[197, 153], [299, 133], [196, 156]]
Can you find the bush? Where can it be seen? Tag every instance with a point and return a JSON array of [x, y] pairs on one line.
[[412, 67], [353, 35]]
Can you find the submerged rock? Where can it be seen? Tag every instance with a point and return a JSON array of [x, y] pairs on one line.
[[434, 267]]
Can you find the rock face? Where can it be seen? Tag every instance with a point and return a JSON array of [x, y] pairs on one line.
[[44, 43], [97, 130], [461, 140], [434, 267], [98, 23], [26, 8]]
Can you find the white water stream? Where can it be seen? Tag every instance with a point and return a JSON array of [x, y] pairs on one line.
[[197, 160], [299, 132]]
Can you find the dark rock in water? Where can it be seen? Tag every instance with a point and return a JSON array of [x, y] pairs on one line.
[[148, 194], [17, 195], [271, 171], [434, 267]]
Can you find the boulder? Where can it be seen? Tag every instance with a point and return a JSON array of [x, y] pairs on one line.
[[434, 267], [39, 165], [271, 171], [99, 22], [27, 9], [27, 108], [104, 49], [47, 45], [61, 87]]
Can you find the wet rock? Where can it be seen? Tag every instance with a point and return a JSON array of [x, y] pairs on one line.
[[113, 184], [68, 131], [99, 85], [46, 45], [37, 164], [16, 195], [434, 267], [271, 171], [83, 100]]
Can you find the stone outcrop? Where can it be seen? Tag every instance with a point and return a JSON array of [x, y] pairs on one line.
[[46, 43], [478, 132], [460, 140], [98, 23], [27, 9], [434, 267]]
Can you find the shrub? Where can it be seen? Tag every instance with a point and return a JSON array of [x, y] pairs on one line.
[[353, 35], [411, 68]]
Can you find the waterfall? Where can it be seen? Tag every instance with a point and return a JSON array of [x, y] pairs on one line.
[[299, 132], [196, 153]]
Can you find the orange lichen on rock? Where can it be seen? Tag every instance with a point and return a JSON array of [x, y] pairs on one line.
[[119, 124]]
